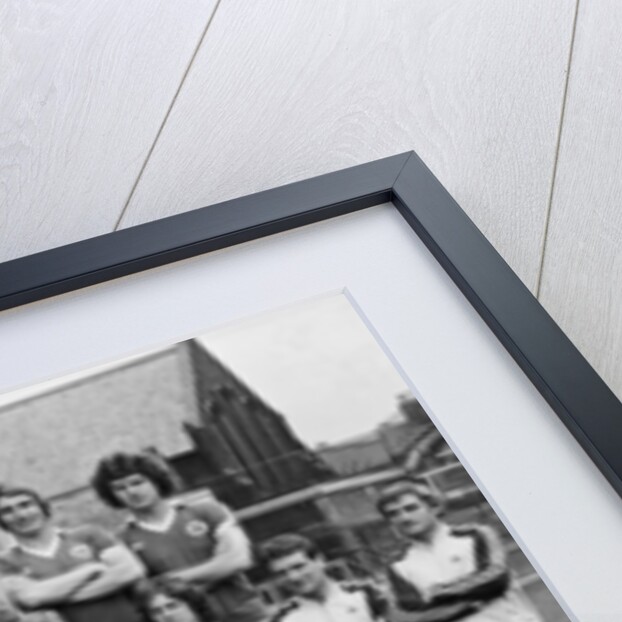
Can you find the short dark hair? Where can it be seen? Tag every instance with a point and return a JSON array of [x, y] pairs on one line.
[[418, 487], [120, 465], [190, 594], [17, 491], [287, 544]]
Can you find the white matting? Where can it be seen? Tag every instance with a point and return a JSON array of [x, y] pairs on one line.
[[551, 496]]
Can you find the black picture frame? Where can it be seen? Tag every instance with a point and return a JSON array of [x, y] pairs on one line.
[[583, 402]]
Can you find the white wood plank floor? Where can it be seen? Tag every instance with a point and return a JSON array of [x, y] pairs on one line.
[[116, 114], [282, 91]]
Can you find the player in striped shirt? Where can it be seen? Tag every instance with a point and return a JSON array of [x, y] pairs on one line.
[[84, 574], [199, 543], [448, 572]]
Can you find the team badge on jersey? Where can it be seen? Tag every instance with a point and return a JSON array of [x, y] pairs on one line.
[[196, 528], [81, 551]]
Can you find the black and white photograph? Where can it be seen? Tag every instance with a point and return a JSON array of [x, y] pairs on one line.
[[276, 469]]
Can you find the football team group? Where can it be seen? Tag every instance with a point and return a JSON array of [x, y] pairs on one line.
[[176, 562]]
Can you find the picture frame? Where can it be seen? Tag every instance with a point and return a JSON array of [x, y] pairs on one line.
[[575, 392]]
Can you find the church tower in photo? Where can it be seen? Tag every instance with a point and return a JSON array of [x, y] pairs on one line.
[[248, 451]]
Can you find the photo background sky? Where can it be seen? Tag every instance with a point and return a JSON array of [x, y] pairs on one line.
[[315, 362]]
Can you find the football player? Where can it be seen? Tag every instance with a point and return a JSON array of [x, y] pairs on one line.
[[300, 571], [200, 543], [448, 572], [84, 574]]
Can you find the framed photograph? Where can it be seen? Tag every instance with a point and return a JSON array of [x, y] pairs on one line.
[[292, 358]]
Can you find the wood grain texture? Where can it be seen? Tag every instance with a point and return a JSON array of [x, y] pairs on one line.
[[84, 87], [582, 275], [282, 91]]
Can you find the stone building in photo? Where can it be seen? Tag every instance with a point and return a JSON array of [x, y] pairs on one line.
[[180, 402]]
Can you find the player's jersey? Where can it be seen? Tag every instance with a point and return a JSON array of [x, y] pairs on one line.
[[72, 549], [189, 538], [8, 612], [343, 603], [460, 574], [449, 556]]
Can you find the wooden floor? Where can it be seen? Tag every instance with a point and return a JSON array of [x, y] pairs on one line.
[[115, 114]]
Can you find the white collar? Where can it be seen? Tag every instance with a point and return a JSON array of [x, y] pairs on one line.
[[160, 526], [442, 532], [48, 551]]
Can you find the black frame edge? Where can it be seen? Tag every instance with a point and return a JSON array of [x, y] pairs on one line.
[[570, 385], [113, 255]]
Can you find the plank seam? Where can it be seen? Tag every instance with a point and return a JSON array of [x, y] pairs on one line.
[[547, 218], [166, 116]]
